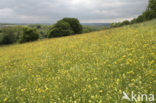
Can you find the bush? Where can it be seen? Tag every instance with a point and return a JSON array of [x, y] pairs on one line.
[[28, 35], [75, 25]]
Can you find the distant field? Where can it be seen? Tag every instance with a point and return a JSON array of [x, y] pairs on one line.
[[89, 68]]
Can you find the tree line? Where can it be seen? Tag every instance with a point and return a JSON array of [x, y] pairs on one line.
[[12, 33], [149, 14], [22, 34]]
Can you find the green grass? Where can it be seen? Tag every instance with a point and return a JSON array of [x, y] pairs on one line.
[[94, 67]]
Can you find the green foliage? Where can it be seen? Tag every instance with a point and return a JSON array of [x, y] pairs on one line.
[[61, 28], [126, 22], [140, 19], [28, 35], [8, 35], [152, 5], [16, 34], [91, 28], [149, 14], [65, 27], [75, 25], [42, 29]]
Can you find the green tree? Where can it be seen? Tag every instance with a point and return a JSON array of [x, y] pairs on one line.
[[150, 13], [75, 25], [61, 28], [8, 35], [152, 5], [126, 22], [29, 34], [152, 8]]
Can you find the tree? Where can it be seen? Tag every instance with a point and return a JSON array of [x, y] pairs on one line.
[[29, 34], [65, 27], [126, 22], [61, 28], [75, 25], [152, 5], [140, 19], [152, 8], [8, 35], [150, 12]]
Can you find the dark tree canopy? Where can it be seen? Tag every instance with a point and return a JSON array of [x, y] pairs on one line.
[[29, 34], [61, 28], [7, 35], [152, 5], [65, 27], [75, 25]]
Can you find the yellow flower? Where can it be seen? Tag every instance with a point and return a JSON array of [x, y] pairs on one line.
[[92, 97], [46, 88], [124, 56], [22, 90], [100, 91], [151, 62], [104, 62], [100, 101], [5, 99], [124, 76], [115, 62], [133, 80], [131, 72]]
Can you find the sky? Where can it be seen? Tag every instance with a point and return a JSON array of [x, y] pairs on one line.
[[87, 11]]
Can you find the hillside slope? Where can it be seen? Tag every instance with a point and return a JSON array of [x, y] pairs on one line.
[[93, 67]]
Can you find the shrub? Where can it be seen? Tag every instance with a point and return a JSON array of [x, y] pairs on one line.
[[28, 35], [61, 28]]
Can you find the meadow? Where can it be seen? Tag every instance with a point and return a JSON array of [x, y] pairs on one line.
[[94, 67]]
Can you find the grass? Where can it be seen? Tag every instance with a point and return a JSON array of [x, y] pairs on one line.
[[94, 67]]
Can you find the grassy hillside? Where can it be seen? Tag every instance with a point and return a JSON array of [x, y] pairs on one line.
[[94, 67]]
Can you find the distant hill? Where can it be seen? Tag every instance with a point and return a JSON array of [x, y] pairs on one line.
[[97, 24]]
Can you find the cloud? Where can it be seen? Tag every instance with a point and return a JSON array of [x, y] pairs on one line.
[[49, 11]]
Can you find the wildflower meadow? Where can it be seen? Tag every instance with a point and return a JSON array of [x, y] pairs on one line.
[[87, 68]]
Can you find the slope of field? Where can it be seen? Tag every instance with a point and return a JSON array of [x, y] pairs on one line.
[[95, 67]]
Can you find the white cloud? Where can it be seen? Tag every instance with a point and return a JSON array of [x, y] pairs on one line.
[[49, 11], [6, 12]]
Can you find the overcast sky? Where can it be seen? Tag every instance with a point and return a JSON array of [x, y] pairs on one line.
[[87, 11]]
